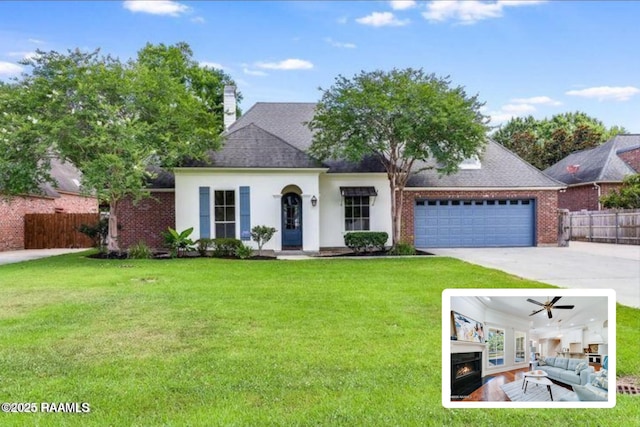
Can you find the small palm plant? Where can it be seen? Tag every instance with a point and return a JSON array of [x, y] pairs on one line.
[[178, 243]]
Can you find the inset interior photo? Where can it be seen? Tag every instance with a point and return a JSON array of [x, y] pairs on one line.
[[528, 348]]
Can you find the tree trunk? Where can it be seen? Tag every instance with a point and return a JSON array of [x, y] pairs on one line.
[[394, 214], [112, 239]]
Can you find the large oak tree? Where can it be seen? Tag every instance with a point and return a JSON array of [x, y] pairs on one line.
[[401, 117], [114, 119]]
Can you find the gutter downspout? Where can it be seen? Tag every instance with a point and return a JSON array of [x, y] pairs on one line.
[[597, 187]]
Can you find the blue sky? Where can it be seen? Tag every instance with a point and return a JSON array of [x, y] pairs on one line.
[[520, 57]]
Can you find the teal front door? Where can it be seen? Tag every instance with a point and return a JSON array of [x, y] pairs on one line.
[[291, 221]]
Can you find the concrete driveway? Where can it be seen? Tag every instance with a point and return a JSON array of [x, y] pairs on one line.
[[11, 257], [582, 265]]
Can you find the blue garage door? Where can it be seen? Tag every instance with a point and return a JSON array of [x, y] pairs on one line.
[[474, 223]]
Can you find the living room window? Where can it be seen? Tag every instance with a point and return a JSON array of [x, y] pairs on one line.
[[225, 213], [495, 344], [356, 213], [520, 347]]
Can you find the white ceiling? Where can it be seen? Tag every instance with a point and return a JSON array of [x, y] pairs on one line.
[[587, 309]]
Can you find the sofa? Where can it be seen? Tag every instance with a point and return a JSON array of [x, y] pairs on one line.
[[563, 369], [596, 390]]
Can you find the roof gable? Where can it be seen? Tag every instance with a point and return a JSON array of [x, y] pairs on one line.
[[253, 147]]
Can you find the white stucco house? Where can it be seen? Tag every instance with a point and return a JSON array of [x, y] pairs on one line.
[[263, 176]]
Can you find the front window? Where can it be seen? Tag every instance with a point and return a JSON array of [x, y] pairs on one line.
[[225, 213], [356, 213]]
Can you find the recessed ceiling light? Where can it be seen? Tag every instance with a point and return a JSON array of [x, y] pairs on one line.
[[591, 320], [487, 298]]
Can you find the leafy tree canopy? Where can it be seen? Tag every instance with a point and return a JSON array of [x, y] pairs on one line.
[[545, 142], [628, 197], [114, 119], [401, 117]]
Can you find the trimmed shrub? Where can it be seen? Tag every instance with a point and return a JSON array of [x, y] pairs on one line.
[[261, 234], [365, 241], [140, 251], [403, 249], [203, 245], [225, 246], [244, 251]]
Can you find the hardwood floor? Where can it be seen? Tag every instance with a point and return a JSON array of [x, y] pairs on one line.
[[491, 391]]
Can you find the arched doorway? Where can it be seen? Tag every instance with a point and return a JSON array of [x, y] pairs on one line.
[[291, 204]]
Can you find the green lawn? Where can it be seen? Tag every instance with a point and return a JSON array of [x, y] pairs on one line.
[[225, 342]]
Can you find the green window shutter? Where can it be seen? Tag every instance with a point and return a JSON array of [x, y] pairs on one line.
[[205, 213], [245, 213]]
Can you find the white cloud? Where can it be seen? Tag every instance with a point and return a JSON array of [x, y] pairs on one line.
[[287, 64], [538, 100], [602, 93], [36, 41], [382, 19], [403, 4], [198, 20], [340, 44], [518, 109], [209, 64], [156, 7], [9, 69], [254, 72], [470, 11], [498, 117], [342, 20]]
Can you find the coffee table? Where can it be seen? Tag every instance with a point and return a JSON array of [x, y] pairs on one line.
[[533, 374], [535, 379]]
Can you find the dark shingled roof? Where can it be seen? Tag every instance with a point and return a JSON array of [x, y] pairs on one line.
[[275, 135], [499, 168], [596, 164], [253, 147]]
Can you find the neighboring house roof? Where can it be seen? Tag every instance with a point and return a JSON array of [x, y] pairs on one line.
[[499, 168], [67, 177], [597, 164]]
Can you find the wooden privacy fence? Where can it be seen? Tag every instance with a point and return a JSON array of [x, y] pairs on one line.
[[57, 230], [613, 226]]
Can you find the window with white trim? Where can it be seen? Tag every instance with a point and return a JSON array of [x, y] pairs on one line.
[[356, 213], [225, 213], [495, 341]]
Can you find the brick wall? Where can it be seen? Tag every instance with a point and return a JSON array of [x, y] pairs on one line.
[[546, 209], [12, 213], [584, 196], [632, 158], [145, 220]]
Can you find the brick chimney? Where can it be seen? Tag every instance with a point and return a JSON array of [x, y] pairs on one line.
[[229, 105]]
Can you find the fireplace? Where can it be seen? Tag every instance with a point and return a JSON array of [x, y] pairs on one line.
[[466, 374]]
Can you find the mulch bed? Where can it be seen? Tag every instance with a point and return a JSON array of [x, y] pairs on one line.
[[167, 255]]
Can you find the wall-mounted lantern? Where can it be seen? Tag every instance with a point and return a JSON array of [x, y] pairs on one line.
[[314, 201]]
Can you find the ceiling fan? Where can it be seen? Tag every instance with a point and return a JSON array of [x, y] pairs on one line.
[[548, 306]]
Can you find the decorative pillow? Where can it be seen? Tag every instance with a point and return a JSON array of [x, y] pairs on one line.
[[541, 362], [581, 366], [589, 394], [601, 379]]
